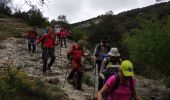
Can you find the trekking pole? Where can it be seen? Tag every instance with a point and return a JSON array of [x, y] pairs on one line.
[[94, 80], [36, 58], [61, 59], [66, 71]]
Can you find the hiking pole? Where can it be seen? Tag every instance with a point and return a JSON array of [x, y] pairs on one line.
[[61, 59], [94, 79], [66, 71]]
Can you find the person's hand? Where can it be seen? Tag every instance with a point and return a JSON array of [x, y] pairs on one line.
[[101, 76], [93, 58]]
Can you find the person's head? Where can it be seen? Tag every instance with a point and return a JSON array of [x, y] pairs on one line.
[[49, 30], [114, 54], [33, 29], [126, 69], [80, 42], [104, 40]]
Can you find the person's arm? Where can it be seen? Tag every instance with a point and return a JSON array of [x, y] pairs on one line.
[[104, 89], [39, 40], [102, 69], [96, 50], [107, 86]]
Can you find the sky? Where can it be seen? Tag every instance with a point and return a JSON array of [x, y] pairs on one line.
[[80, 10]]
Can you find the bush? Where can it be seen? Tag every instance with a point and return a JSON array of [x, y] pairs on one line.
[[16, 84], [87, 80]]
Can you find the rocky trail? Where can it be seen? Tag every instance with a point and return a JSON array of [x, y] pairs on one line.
[[15, 50]]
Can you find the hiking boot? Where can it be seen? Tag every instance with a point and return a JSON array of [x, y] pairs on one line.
[[81, 89], [49, 69], [69, 81]]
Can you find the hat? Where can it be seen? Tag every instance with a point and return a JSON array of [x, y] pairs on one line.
[[114, 52], [127, 68]]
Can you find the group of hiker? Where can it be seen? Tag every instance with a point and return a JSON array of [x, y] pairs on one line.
[[115, 76], [49, 38]]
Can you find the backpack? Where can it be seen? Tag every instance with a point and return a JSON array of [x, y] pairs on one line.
[[110, 69], [117, 83], [75, 53]]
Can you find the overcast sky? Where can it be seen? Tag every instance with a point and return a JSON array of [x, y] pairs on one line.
[[80, 10]]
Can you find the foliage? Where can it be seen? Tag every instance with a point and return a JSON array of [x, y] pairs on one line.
[[149, 45], [4, 9], [16, 84], [140, 34], [34, 17], [87, 79]]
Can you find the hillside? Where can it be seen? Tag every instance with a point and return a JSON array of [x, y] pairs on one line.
[[51, 86], [162, 9], [141, 35], [10, 26]]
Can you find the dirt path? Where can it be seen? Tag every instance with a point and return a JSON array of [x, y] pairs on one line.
[[15, 50]]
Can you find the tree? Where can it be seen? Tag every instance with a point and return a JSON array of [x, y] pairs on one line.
[[149, 46], [62, 18], [4, 7], [109, 13]]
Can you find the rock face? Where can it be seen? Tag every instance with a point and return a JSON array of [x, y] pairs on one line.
[[14, 51]]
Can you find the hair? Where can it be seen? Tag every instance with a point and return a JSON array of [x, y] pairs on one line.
[[104, 38]]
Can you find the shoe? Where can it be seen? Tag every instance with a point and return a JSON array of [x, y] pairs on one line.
[[69, 81], [81, 89], [49, 69]]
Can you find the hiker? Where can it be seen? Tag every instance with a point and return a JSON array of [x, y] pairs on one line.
[[48, 48], [75, 53], [110, 64], [121, 86], [100, 51], [32, 36], [63, 36]]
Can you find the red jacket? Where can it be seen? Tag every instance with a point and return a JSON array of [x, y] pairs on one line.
[[63, 34], [32, 35], [49, 40]]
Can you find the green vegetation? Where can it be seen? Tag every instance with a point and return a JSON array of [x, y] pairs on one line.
[[149, 45], [87, 79], [142, 35], [10, 26], [16, 85]]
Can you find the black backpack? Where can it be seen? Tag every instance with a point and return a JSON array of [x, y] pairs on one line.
[[111, 70]]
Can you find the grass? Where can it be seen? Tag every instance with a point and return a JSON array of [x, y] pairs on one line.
[[10, 26]]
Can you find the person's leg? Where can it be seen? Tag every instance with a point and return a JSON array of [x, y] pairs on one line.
[[29, 44], [52, 55], [79, 80], [61, 41], [65, 42], [70, 76], [33, 44], [45, 59]]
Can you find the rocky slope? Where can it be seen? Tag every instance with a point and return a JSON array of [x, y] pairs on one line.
[[15, 51]]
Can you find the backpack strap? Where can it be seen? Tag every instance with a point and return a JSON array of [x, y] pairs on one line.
[[116, 85], [131, 88]]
